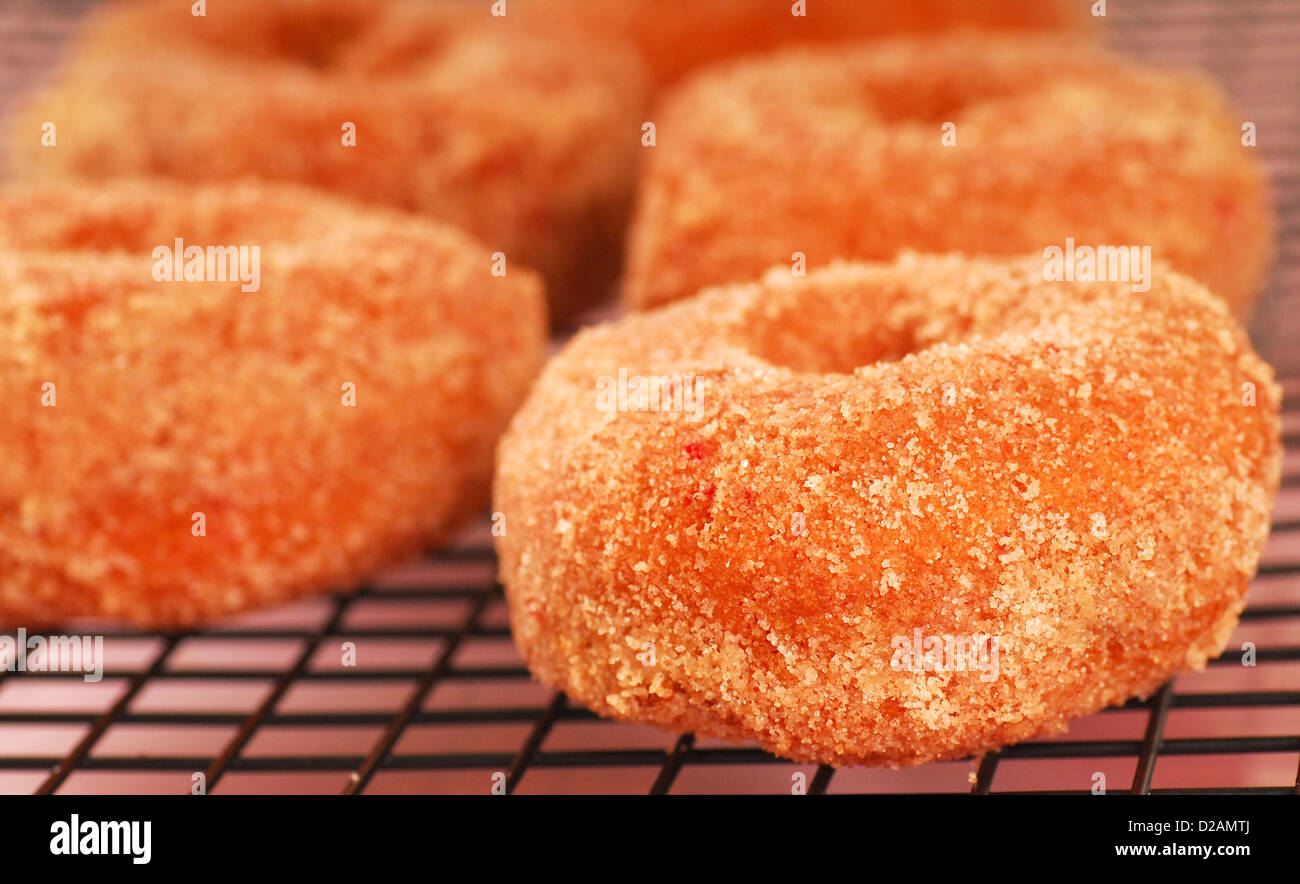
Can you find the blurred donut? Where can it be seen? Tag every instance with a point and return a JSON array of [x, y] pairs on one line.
[[171, 451], [752, 514], [525, 142], [673, 38], [968, 143]]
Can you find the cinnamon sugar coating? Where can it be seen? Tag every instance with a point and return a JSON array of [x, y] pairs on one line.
[[1079, 471], [526, 141], [129, 405], [843, 153], [673, 38]]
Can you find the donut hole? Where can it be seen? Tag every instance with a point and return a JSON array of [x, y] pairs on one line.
[[301, 33], [316, 46], [930, 104], [357, 38], [814, 328], [897, 90], [306, 34]]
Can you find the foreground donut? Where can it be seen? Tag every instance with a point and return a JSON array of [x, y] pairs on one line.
[[173, 451], [1071, 482], [526, 142], [845, 153], [673, 38]]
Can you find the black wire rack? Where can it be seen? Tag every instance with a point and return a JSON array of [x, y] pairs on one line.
[[439, 702], [470, 655]]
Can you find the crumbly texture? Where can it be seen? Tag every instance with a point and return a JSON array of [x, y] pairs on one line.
[[675, 37], [945, 444], [840, 153], [527, 142], [176, 398]]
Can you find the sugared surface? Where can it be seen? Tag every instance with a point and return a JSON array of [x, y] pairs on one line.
[[844, 153], [674, 38], [525, 141], [956, 446], [129, 405]]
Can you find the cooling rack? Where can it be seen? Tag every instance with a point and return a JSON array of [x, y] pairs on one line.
[[439, 702]]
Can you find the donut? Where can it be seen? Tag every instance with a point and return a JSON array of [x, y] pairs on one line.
[[674, 38], [886, 514], [175, 447], [525, 142], [996, 145]]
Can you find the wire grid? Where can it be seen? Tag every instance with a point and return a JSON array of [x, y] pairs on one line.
[[262, 703]]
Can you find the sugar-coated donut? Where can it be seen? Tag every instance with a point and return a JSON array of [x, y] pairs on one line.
[[174, 450], [673, 38], [889, 513], [526, 142], [970, 143]]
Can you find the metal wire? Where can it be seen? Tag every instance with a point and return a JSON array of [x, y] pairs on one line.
[[532, 753]]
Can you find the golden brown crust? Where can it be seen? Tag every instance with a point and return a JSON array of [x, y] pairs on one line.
[[945, 444], [524, 141], [171, 399], [840, 153], [674, 38]]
